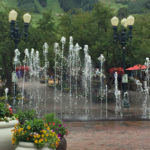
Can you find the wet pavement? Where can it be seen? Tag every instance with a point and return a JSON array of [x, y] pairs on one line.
[[109, 135]]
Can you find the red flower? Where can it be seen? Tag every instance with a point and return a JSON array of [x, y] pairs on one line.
[[53, 123], [10, 110]]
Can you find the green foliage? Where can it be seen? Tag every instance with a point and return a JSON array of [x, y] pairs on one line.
[[92, 28], [71, 4], [123, 13], [36, 125], [26, 115], [137, 6], [5, 112], [43, 3], [55, 124], [122, 1]]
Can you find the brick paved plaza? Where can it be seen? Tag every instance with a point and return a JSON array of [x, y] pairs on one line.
[[109, 135]]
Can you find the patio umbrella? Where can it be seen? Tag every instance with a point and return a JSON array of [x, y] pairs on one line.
[[137, 67], [22, 68], [119, 70], [131, 68]]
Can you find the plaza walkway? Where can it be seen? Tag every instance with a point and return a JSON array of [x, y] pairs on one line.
[[109, 135]]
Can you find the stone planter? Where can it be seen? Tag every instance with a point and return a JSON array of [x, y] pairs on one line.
[[29, 146], [6, 135], [62, 144]]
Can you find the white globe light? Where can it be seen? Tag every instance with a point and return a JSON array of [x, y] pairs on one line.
[[124, 22], [27, 18], [12, 15], [114, 21], [130, 20]]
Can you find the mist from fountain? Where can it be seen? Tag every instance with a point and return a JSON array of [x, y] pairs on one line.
[[102, 76], [75, 86], [118, 107], [87, 79]]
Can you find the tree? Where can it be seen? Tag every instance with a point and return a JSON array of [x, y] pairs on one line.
[[92, 28], [6, 50], [71, 4], [123, 13]]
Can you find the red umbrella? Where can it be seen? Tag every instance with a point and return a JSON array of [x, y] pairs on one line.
[[131, 68], [26, 68], [137, 67], [119, 70]]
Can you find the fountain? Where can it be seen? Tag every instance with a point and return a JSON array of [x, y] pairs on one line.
[[78, 92]]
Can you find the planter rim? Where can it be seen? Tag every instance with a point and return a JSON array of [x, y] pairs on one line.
[[28, 145], [10, 124]]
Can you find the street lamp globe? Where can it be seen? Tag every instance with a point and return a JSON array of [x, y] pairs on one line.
[[114, 21], [130, 20], [27, 18], [12, 15], [124, 22]]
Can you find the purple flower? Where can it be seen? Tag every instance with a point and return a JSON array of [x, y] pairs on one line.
[[59, 125], [59, 135], [56, 128]]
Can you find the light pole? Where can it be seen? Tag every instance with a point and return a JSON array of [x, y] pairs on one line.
[[16, 35], [123, 37]]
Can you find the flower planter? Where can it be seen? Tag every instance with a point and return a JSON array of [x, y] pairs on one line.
[[5, 134], [62, 145], [30, 146]]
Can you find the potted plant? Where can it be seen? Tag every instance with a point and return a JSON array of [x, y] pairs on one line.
[[33, 135], [60, 128], [7, 122]]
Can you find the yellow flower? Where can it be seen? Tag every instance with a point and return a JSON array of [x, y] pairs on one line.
[[40, 140], [42, 135], [38, 136], [13, 140], [28, 127], [57, 143], [44, 131], [45, 140], [36, 141], [48, 128]]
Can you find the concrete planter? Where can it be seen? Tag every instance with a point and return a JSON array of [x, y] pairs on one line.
[[29, 146], [6, 135]]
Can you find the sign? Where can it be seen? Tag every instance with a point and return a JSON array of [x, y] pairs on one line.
[[125, 78], [14, 77]]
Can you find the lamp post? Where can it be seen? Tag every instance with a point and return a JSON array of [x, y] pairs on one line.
[[15, 33], [123, 37]]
